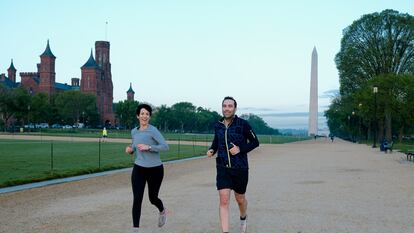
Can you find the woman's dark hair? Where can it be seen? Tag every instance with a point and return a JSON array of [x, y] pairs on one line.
[[144, 106]]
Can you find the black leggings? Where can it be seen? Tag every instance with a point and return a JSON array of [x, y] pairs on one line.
[[140, 176]]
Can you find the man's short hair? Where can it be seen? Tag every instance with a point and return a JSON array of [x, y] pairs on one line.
[[230, 98], [144, 106]]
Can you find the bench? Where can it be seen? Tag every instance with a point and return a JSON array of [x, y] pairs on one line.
[[410, 155]]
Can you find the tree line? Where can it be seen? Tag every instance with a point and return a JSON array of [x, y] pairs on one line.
[[19, 108], [184, 117], [376, 73]]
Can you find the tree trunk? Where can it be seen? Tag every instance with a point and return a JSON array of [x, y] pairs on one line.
[[380, 132], [388, 126], [401, 133]]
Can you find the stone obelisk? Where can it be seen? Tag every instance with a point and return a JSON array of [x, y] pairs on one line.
[[313, 101]]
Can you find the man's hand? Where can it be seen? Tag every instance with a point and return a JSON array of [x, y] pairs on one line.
[[210, 153], [129, 150], [234, 150], [143, 147]]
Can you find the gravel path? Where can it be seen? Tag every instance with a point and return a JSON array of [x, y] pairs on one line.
[[308, 186]]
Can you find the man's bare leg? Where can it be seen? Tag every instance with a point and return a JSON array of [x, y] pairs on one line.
[[242, 202], [224, 209]]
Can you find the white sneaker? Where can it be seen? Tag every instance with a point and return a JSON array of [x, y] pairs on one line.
[[243, 226], [135, 230], [162, 218]]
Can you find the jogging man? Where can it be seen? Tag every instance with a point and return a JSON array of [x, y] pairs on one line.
[[233, 139]]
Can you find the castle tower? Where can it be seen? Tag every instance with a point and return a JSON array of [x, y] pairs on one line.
[[130, 93], [102, 55], [47, 71], [91, 81], [313, 100], [12, 72], [75, 82]]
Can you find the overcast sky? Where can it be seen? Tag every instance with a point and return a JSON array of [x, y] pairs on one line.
[[197, 51]]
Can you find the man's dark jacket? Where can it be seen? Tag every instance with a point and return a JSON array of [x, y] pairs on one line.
[[238, 133]]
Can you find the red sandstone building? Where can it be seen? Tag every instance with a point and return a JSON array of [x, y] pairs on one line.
[[96, 78]]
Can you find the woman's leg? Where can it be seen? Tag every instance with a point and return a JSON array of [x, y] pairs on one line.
[[138, 186], [154, 184]]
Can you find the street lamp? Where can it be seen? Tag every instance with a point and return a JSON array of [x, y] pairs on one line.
[[28, 118], [375, 91], [359, 121], [349, 127], [353, 126]]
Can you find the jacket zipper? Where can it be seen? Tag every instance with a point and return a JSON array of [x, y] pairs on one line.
[[227, 145]]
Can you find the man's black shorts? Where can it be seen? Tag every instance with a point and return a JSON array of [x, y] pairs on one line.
[[232, 178]]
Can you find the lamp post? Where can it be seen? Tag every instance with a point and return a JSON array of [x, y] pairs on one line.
[[353, 126], [359, 121], [375, 91], [28, 117], [349, 127]]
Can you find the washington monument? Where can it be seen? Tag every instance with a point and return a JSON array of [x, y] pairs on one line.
[[313, 100]]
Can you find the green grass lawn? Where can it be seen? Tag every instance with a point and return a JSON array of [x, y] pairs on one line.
[[404, 146], [95, 133], [398, 146], [28, 161]]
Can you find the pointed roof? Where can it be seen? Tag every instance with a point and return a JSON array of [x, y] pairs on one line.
[[47, 51], [91, 63], [130, 89], [314, 50], [11, 66]]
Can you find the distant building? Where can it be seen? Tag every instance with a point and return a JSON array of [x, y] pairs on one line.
[[130, 93], [96, 78]]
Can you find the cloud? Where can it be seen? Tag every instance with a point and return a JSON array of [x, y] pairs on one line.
[[330, 94], [289, 114], [258, 109]]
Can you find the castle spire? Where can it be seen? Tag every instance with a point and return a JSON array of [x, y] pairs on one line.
[[91, 63], [130, 89], [47, 51], [11, 66]]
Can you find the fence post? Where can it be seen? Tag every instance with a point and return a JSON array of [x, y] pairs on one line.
[[99, 155], [193, 146], [51, 157], [206, 142], [179, 143]]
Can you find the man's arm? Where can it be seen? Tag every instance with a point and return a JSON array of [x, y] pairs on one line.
[[214, 144], [253, 141]]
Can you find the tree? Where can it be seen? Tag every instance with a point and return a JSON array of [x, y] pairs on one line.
[[13, 104], [183, 116], [40, 109], [126, 113], [6, 108], [72, 106], [378, 43], [162, 117], [206, 119], [258, 124], [395, 98], [378, 47]]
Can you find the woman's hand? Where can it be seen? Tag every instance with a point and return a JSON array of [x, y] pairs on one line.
[[129, 150], [143, 147]]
